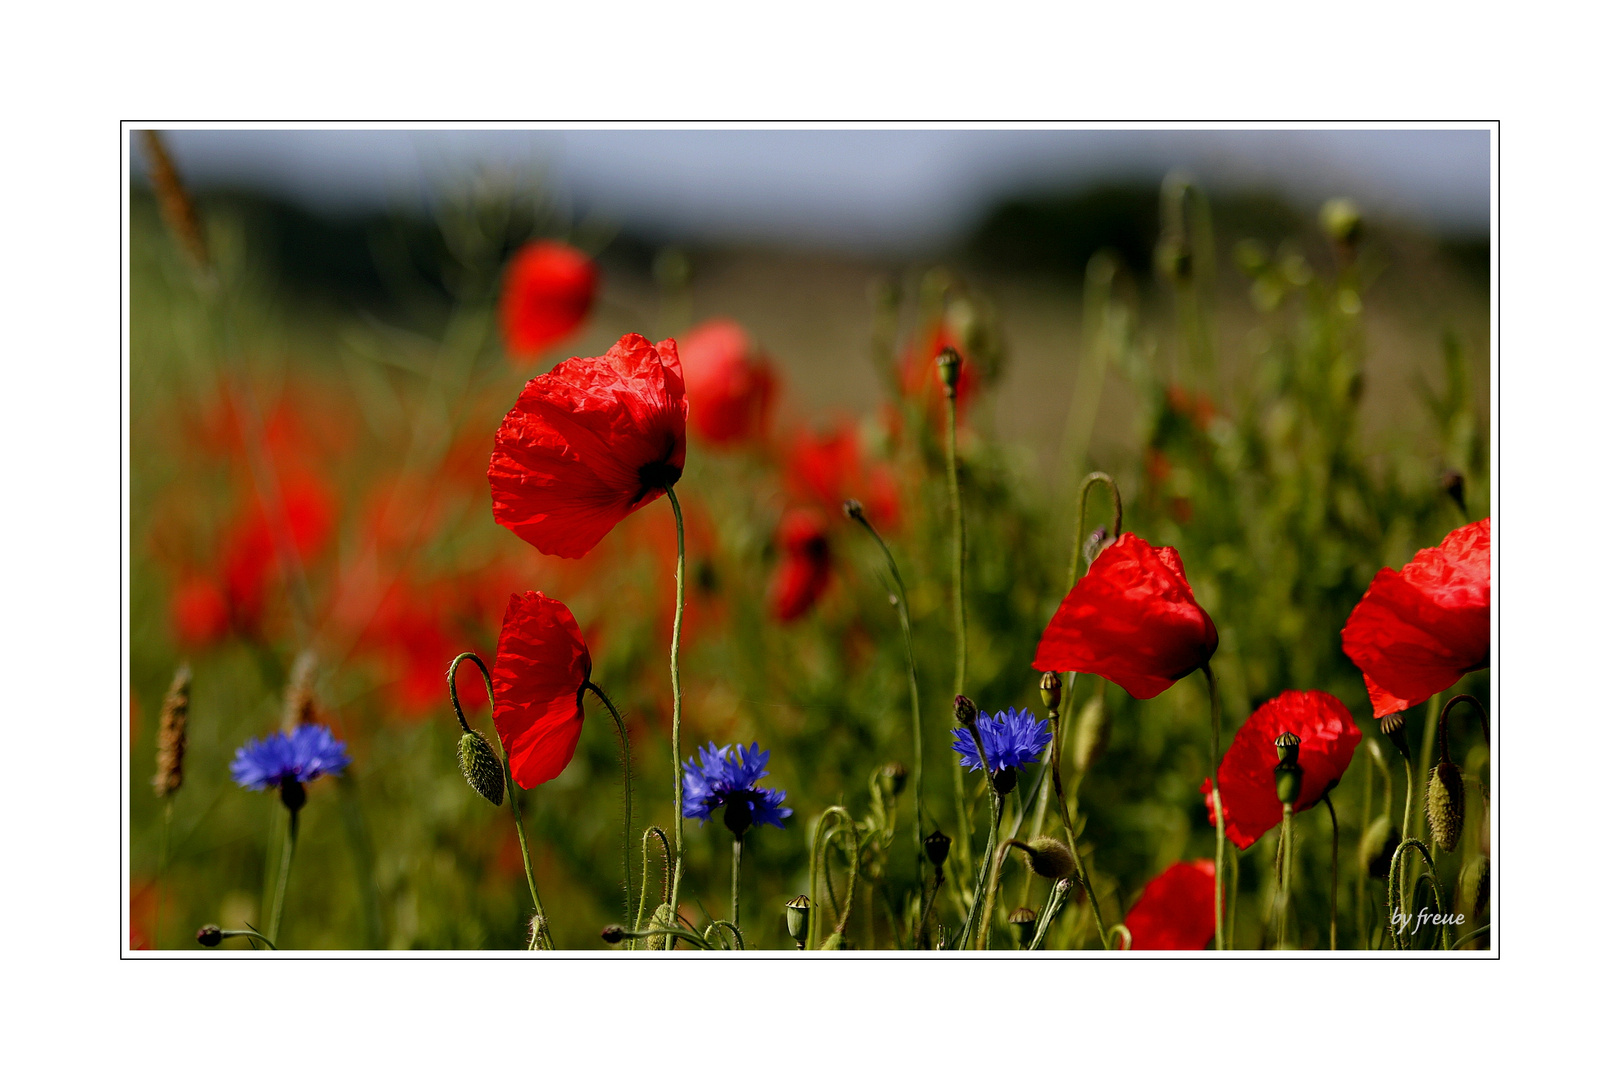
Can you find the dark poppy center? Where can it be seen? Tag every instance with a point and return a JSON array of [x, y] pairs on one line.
[[656, 476]]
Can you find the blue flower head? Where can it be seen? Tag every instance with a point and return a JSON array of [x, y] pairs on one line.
[[1011, 740], [725, 777], [309, 751]]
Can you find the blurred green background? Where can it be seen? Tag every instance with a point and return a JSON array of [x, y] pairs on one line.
[[1281, 408]]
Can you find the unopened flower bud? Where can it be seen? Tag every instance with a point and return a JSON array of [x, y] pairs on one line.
[[613, 933], [1049, 857], [834, 942], [209, 936], [1051, 691], [1445, 809], [1096, 540], [798, 918], [937, 846], [854, 510], [892, 779], [1341, 220], [1394, 728], [481, 767], [950, 369], [1378, 846], [965, 711], [1022, 921], [1095, 728], [1452, 484]]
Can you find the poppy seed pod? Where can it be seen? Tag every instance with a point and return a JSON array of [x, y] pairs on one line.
[[1095, 728], [937, 846], [892, 778], [1022, 921], [1394, 728], [1378, 845], [1049, 857], [1290, 777], [1051, 690], [1445, 805], [209, 936], [798, 918], [950, 369], [481, 767]]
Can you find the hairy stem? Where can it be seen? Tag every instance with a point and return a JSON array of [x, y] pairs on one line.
[[626, 796], [1220, 817], [675, 685]]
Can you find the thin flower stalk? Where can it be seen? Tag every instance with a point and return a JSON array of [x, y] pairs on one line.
[[675, 685]]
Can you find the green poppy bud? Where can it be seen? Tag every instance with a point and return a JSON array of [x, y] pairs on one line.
[[1474, 887], [1378, 846], [1049, 857], [1022, 921], [950, 369], [1445, 809], [210, 936], [480, 765]]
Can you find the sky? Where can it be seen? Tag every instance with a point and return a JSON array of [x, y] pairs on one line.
[[871, 190]]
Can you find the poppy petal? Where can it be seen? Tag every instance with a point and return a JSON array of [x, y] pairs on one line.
[[541, 666]]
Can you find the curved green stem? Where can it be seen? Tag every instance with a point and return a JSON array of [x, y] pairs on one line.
[[1220, 817], [1086, 484], [624, 761], [903, 607], [254, 935], [1063, 808], [1470, 936], [1395, 869], [675, 684], [1123, 933], [544, 937], [641, 905], [287, 848], [736, 931], [976, 908], [1054, 904], [819, 838]]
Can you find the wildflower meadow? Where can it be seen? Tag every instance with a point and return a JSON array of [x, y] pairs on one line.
[[539, 604]]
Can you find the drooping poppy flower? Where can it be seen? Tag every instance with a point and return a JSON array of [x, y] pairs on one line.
[[548, 292], [1417, 631], [1177, 909], [541, 667], [588, 443], [826, 469], [1131, 619], [731, 387], [806, 565], [1327, 741]]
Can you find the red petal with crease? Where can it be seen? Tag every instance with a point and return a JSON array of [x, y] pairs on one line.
[[1419, 630], [588, 443], [1131, 619], [541, 666]]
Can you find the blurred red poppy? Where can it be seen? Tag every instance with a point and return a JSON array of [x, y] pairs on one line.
[[806, 565], [416, 628], [731, 387], [1131, 619], [199, 613], [541, 666], [1177, 909], [548, 292], [1327, 741], [919, 374], [828, 469], [1419, 630], [588, 443]]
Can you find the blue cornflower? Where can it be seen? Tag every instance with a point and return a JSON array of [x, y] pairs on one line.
[[724, 777], [309, 751], [1011, 740]]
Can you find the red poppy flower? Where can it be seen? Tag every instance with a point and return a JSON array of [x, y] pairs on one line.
[[828, 469], [1177, 909], [1131, 619], [806, 566], [199, 613], [1327, 742], [1418, 631], [548, 292], [588, 443], [730, 387], [541, 666]]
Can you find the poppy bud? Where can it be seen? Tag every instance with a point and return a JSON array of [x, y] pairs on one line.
[[892, 778], [481, 767], [798, 918], [1022, 921], [1051, 691], [1378, 845], [613, 933], [1095, 542], [293, 795], [1095, 727], [965, 711], [1452, 484], [835, 942], [1445, 807], [854, 510], [209, 936], [950, 369], [1394, 728], [1049, 857], [937, 846], [1474, 886], [1341, 220]]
